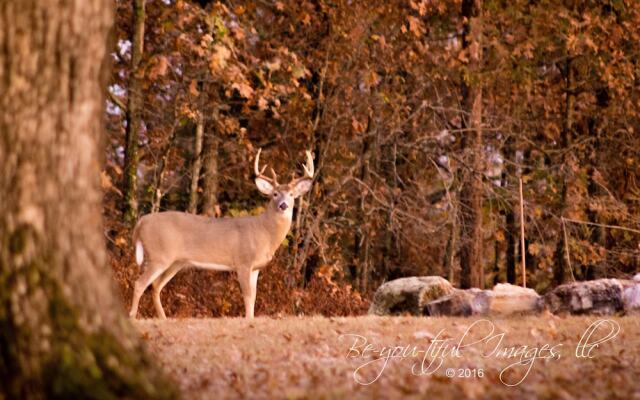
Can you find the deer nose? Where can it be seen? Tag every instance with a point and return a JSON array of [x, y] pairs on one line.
[[283, 206]]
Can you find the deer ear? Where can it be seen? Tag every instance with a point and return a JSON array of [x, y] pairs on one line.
[[264, 186], [301, 188]]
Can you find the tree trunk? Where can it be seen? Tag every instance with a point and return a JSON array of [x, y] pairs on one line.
[[62, 330], [511, 239], [450, 249], [197, 165], [508, 179], [162, 168], [134, 115], [598, 233], [471, 258], [210, 179], [565, 141], [390, 251], [362, 237], [497, 259]]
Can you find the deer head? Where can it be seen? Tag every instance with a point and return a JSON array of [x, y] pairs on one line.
[[283, 195]]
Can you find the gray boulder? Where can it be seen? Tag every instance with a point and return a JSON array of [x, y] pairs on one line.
[[504, 299], [598, 297], [631, 296], [461, 303], [507, 299], [408, 295]]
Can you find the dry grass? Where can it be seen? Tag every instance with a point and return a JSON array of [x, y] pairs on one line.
[[306, 357]]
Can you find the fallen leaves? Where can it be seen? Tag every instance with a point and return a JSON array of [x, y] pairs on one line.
[[273, 358]]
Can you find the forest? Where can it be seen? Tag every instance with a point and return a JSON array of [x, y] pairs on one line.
[[422, 121], [402, 174]]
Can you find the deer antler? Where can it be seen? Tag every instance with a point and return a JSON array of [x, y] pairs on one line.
[[260, 173], [308, 169]]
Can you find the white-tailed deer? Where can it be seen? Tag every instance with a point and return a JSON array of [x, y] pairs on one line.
[[167, 242]]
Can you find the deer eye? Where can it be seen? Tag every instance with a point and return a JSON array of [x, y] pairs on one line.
[[275, 194]]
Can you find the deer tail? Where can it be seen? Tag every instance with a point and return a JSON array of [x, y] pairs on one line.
[[138, 244]]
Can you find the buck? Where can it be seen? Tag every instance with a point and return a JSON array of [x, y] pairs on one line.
[[168, 242]]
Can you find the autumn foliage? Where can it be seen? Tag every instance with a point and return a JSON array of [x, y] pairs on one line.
[[375, 90]]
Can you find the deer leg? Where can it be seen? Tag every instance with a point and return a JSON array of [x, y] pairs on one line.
[[151, 272], [254, 288], [160, 283], [248, 283]]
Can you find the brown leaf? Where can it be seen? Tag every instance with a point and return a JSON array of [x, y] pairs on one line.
[[107, 184], [357, 125], [306, 19], [273, 65], [263, 104], [193, 88], [159, 67], [416, 26], [243, 89], [372, 79], [219, 58]]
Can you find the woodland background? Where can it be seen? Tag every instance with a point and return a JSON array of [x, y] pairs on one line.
[[422, 117]]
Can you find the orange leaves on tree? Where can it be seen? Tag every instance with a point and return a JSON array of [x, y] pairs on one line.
[[243, 89], [273, 65], [420, 7], [371, 79], [193, 88], [416, 26], [263, 104], [306, 19], [534, 249], [107, 184], [358, 126], [463, 56], [206, 40], [158, 67], [219, 58]]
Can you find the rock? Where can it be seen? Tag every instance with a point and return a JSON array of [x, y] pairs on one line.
[[504, 299], [408, 295], [511, 299], [631, 296], [460, 303], [598, 297]]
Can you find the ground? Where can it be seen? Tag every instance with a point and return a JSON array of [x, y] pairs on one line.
[[318, 357]]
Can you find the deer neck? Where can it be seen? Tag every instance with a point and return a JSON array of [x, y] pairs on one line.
[[277, 224]]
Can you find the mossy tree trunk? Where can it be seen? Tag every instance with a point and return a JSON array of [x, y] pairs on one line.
[[134, 114], [62, 330]]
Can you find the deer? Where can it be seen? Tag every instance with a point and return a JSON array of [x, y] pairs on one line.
[[167, 242]]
